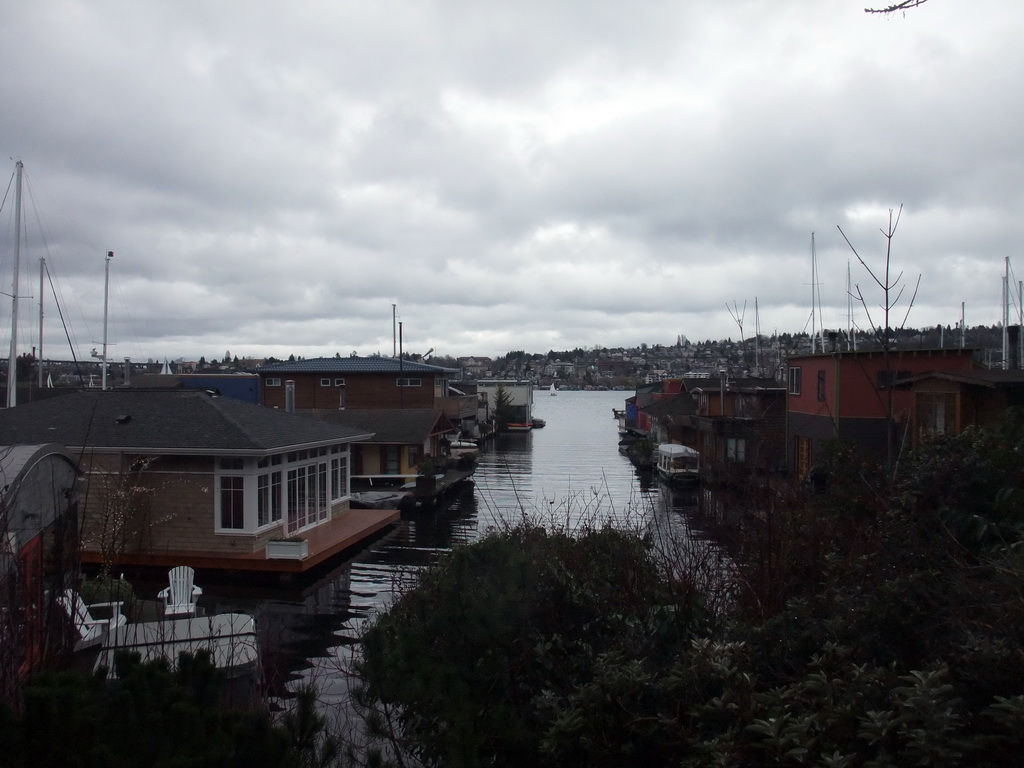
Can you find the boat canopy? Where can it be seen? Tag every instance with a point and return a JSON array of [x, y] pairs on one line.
[[672, 450]]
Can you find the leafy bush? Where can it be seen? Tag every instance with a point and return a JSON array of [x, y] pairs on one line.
[[878, 622], [461, 660], [107, 589], [153, 716]]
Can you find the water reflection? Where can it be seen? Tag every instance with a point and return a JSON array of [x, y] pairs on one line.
[[569, 473]]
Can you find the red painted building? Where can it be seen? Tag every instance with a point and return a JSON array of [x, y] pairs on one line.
[[848, 396]]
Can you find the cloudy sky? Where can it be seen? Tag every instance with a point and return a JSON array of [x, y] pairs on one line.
[[274, 178]]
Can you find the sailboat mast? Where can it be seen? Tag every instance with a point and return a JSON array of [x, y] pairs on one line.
[[1006, 314], [757, 340], [39, 363], [815, 297], [106, 286], [851, 334], [12, 360]]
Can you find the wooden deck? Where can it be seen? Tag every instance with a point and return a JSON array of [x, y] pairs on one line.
[[324, 541], [431, 492], [229, 637]]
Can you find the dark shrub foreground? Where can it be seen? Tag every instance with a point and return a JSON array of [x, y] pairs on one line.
[[153, 717], [876, 624]]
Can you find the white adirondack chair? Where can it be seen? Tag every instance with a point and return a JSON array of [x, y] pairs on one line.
[[181, 594], [90, 627]]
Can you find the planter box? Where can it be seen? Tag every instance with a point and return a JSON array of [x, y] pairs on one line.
[[287, 550]]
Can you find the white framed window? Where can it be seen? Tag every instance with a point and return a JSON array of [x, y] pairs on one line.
[[273, 382], [339, 382], [268, 498], [325, 382], [307, 496], [736, 449], [410, 382], [339, 477], [296, 489], [232, 502], [795, 379]]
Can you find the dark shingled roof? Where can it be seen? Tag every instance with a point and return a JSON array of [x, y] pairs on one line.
[[353, 365], [680, 405], [404, 426], [184, 422]]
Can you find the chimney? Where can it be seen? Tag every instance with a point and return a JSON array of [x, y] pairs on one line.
[[289, 396]]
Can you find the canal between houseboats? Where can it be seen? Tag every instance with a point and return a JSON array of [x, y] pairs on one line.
[[569, 472]]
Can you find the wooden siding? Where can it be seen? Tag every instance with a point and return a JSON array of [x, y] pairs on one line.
[[851, 382], [362, 391], [172, 511]]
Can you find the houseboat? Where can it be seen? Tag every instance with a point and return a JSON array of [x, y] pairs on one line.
[[678, 463]]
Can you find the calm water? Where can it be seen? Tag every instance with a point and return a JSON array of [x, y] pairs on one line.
[[569, 472]]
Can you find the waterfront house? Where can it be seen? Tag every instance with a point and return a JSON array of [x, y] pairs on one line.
[[850, 396], [639, 415], [670, 420], [520, 398], [375, 384], [184, 477], [948, 402], [740, 425], [352, 383], [401, 440]]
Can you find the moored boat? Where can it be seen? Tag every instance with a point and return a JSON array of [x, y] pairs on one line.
[[678, 463]]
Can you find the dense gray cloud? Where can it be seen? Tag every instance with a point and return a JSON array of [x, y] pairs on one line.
[[535, 175]]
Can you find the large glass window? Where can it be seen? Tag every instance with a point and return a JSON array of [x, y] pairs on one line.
[[268, 486], [232, 502], [322, 508], [339, 477], [307, 496], [295, 488]]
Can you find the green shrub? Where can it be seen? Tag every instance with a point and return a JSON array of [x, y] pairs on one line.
[[463, 658]]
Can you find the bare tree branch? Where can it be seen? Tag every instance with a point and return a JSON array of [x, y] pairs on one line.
[[903, 5]]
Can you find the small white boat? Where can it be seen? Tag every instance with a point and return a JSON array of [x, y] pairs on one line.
[[462, 447], [678, 463]]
